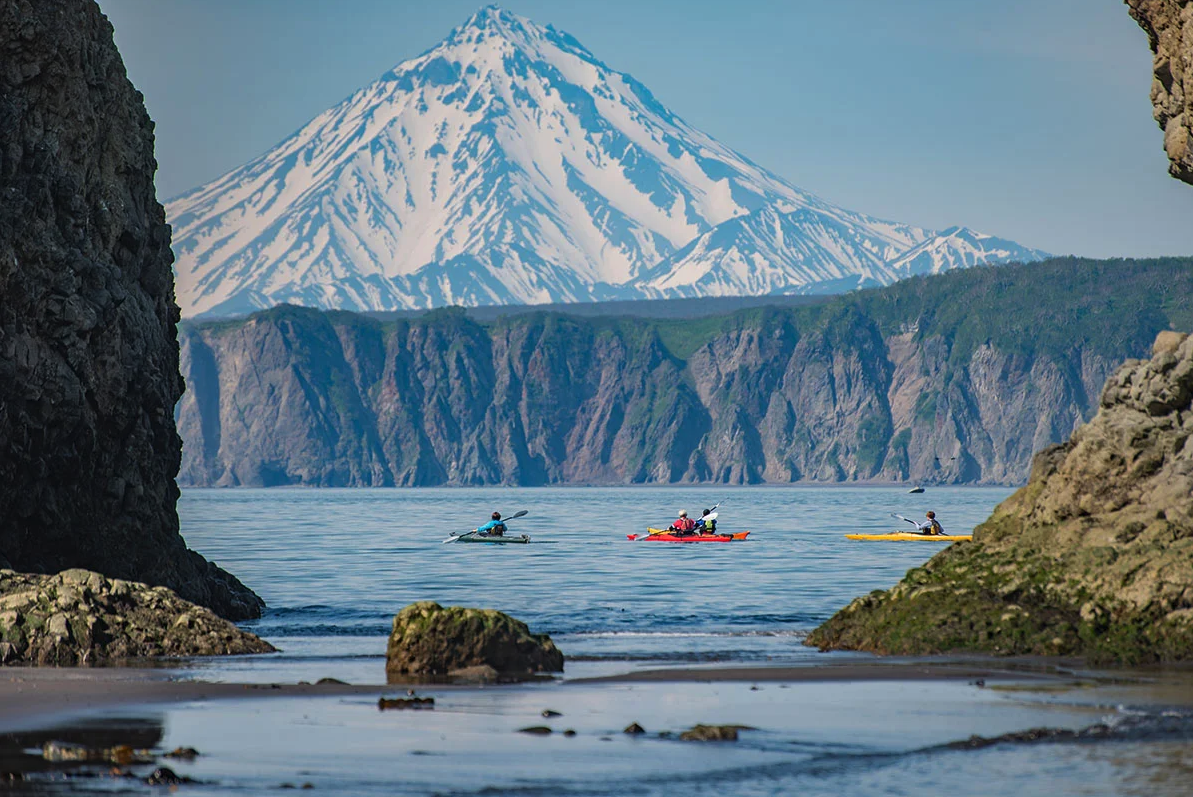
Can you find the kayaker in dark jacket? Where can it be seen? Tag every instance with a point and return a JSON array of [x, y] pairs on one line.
[[494, 528], [931, 525], [684, 524], [705, 525]]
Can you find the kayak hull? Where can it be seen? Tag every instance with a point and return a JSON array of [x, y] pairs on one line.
[[908, 536], [472, 536], [662, 535]]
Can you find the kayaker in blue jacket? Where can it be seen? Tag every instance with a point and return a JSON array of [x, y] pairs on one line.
[[706, 525], [931, 525], [494, 528]]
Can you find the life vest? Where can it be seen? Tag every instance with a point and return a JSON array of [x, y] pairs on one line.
[[684, 524]]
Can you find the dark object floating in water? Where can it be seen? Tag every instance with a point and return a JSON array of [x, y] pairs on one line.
[[547, 712], [385, 703], [324, 681], [185, 753], [916, 490], [569, 732], [634, 729], [537, 730]]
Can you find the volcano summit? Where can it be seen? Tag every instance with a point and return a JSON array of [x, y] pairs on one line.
[[509, 165]]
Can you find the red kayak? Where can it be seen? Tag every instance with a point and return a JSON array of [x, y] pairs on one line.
[[659, 535]]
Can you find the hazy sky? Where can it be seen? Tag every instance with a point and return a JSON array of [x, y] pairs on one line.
[[1028, 119]]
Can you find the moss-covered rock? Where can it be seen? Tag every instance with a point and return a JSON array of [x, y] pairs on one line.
[[431, 642], [1094, 557], [82, 617]]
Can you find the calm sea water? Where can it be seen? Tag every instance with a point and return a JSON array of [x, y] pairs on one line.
[[334, 566]]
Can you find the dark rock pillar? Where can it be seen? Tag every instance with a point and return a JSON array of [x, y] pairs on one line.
[[88, 346]]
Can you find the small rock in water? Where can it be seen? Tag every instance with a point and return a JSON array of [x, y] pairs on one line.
[[569, 732], [187, 753], [324, 681], [713, 733], [551, 713], [164, 776], [634, 729], [405, 702], [537, 730]]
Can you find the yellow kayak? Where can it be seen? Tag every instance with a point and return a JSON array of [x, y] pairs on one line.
[[901, 536]]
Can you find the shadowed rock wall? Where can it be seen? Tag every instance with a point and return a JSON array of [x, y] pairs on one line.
[[88, 349]]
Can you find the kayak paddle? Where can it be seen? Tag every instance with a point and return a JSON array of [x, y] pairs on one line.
[[514, 516], [909, 520]]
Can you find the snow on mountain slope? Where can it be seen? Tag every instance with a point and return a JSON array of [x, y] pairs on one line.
[[810, 252], [769, 251], [507, 164], [961, 247]]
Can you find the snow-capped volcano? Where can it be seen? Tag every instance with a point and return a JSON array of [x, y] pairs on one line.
[[505, 165]]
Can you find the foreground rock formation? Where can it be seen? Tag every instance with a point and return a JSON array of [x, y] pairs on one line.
[[431, 642], [88, 350], [1094, 557], [1169, 27], [81, 617], [951, 379]]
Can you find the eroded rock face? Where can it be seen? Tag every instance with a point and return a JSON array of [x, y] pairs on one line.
[[1093, 557], [81, 617], [88, 348], [432, 642], [1169, 27]]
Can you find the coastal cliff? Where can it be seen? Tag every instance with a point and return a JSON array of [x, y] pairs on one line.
[[88, 350], [1094, 557], [1169, 28], [957, 378]]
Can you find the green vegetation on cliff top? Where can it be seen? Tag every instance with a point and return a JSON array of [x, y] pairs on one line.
[[1048, 308]]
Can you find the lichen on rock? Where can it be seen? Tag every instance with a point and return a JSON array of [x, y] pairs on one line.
[[1093, 557], [432, 642], [80, 617]]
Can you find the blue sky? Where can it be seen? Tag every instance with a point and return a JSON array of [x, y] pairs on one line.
[[1028, 119]]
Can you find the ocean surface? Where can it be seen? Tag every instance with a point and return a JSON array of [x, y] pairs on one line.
[[336, 565]]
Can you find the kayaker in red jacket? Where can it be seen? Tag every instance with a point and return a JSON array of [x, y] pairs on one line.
[[684, 524]]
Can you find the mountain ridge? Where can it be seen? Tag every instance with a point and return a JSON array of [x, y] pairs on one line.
[[505, 165]]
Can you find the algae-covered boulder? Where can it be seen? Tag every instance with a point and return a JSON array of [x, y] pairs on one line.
[[82, 617], [432, 642], [1094, 557]]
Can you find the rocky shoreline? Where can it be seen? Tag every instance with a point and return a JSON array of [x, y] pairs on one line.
[[78, 617], [1093, 558]]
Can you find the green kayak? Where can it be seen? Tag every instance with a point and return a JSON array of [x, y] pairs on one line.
[[473, 536]]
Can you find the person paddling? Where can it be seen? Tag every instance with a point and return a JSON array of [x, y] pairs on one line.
[[707, 524], [494, 528], [931, 525], [683, 524]]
